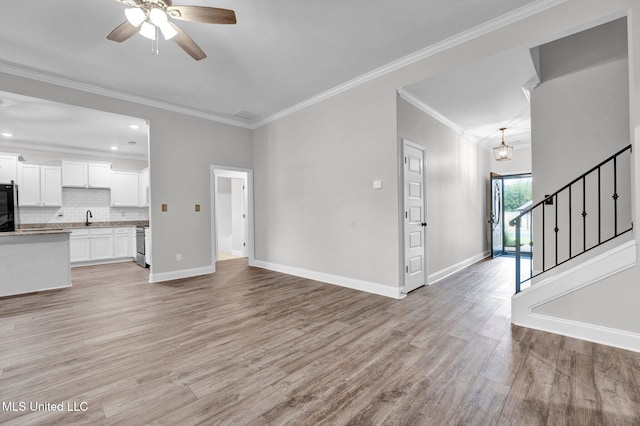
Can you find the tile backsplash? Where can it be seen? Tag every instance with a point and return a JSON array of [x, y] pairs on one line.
[[76, 202]]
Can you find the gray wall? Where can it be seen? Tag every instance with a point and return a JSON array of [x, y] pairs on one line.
[[579, 117], [182, 148], [457, 172], [315, 206]]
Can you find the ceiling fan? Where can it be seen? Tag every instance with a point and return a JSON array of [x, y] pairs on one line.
[[149, 16]]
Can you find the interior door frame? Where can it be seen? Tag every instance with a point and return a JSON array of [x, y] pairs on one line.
[[233, 172], [403, 208]]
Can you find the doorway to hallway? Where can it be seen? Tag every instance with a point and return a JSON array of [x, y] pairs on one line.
[[232, 221]]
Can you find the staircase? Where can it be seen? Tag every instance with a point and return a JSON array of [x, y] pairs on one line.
[[578, 236]]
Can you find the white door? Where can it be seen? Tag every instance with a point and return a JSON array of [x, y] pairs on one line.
[[414, 217]]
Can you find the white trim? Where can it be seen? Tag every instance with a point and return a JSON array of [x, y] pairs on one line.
[[429, 110], [59, 80], [456, 40], [450, 270], [183, 273], [589, 332], [367, 286], [247, 175], [611, 262]]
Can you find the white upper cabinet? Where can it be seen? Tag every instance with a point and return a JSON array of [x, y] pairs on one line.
[[124, 189], [143, 188], [79, 174], [8, 168], [50, 186], [39, 185], [99, 175], [74, 174]]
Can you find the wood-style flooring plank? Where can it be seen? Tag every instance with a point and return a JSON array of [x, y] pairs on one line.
[[255, 347]]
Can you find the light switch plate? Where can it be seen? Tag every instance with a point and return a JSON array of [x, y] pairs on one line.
[[377, 184]]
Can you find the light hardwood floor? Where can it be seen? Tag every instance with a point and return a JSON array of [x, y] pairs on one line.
[[253, 347]]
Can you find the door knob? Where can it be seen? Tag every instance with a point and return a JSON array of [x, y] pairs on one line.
[[424, 224]]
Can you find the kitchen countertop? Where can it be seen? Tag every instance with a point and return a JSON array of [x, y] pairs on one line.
[[81, 225], [35, 231]]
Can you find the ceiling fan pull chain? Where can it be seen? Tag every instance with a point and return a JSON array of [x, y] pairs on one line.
[[155, 43]]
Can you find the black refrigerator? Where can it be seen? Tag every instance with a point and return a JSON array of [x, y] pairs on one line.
[[9, 217]]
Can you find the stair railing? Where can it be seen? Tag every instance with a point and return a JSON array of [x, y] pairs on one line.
[[582, 197]]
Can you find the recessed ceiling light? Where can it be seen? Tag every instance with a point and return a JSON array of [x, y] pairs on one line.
[[114, 148], [134, 126], [7, 134]]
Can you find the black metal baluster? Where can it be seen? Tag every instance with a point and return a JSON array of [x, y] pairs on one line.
[[544, 247], [615, 196], [556, 229], [599, 209], [570, 221], [584, 213]]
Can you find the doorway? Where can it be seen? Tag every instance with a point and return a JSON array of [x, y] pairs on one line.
[[232, 221], [510, 196]]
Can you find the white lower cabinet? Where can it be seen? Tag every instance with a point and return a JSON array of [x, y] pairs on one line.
[[101, 243], [98, 244], [80, 244], [122, 243]]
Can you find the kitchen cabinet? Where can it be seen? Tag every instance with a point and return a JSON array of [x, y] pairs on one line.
[[122, 243], [8, 168], [40, 185], [80, 245], [147, 246], [99, 175], [124, 189], [80, 174], [102, 244], [143, 188]]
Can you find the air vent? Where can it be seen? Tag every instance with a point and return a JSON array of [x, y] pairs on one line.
[[131, 143], [245, 114]]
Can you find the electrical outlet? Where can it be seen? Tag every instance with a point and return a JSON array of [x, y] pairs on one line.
[[179, 257]]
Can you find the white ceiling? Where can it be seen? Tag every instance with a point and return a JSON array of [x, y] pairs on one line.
[[45, 125], [280, 53], [484, 96]]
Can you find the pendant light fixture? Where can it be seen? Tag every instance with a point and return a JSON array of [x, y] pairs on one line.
[[503, 151]]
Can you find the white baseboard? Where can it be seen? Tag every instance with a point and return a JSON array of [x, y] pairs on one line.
[[589, 332], [443, 273], [183, 273], [367, 286], [237, 253], [582, 275]]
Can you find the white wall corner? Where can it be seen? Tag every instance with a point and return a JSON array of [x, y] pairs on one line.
[[182, 273], [443, 273], [582, 275], [366, 286], [427, 109]]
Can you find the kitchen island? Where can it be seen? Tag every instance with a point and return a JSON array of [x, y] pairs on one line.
[[34, 260]]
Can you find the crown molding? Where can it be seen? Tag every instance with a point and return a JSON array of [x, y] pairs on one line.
[[430, 110], [460, 38], [456, 40], [59, 80]]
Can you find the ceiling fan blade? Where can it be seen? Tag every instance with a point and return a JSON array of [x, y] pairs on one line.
[[129, 2], [188, 45], [122, 32], [209, 15]]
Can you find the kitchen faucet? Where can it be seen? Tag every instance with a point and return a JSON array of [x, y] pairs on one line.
[[87, 216]]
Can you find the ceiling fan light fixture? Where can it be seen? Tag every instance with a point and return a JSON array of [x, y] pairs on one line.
[[157, 17], [148, 30], [135, 16], [168, 31]]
